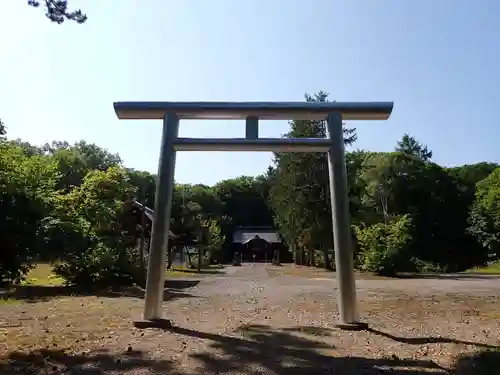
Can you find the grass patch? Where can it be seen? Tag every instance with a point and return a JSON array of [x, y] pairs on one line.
[[9, 301], [492, 269], [43, 275], [172, 273]]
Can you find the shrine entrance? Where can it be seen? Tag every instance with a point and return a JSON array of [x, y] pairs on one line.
[[261, 241], [256, 250], [333, 112]]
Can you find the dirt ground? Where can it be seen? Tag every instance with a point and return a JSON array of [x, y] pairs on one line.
[[257, 319]]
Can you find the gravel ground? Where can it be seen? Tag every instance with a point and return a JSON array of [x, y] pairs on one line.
[[257, 319]]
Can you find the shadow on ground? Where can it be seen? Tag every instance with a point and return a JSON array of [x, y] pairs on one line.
[[431, 340], [259, 350], [56, 361], [31, 293], [320, 331]]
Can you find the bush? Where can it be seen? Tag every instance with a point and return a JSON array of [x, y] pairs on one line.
[[384, 247], [101, 266], [485, 217], [423, 266], [86, 229], [26, 193], [13, 270]]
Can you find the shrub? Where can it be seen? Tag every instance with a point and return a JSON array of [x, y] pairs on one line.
[[423, 266], [485, 217], [86, 229], [26, 192], [101, 266], [384, 247]]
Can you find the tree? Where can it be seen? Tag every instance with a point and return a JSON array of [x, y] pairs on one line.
[[72, 168], [434, 201], [28, 148], [357, 163], [215, 238], [244, 199], [300, 195], [104, 254], [3, 130], [471, 174], [485, 215], [27, 192], [73, 203], [57, 11], [96, 157], [410, 146], [385, 247]]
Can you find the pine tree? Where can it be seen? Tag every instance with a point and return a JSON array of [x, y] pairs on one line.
[[300, 194]]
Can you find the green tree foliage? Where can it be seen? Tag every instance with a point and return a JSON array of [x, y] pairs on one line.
[[93, 210], [399, 184], [57, 11], [485, 215], [27, 192], [410, 146], [385, 247], [215, 238], [3, 130], [27, 148], [96, 157], [72, 167], [73, 204], [300, 191], [469, 175], [244, 199]]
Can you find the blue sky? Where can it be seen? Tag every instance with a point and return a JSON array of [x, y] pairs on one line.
[[439, 61]]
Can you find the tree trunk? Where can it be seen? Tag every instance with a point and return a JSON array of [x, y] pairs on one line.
[[326, 262], [199, 259], [302, 256], [312, 258], [295, 253], [170, 251], [141, 244], [188, 253]]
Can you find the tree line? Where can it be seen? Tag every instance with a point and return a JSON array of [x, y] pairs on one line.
[[73, 204]]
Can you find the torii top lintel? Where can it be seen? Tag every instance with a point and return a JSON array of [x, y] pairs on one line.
[[260, 110]]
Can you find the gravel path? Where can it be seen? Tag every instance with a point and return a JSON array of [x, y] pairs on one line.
[[250, 321]]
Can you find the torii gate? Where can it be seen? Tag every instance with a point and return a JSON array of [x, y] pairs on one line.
[[333, 112]]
